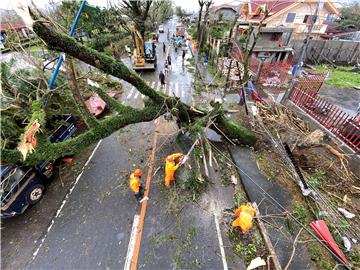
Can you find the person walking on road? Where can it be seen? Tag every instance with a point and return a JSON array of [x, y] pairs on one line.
[[166, 69], [169, 61], [183, 56], [164, 47], [136, 186], [171, 167], [162, 78]]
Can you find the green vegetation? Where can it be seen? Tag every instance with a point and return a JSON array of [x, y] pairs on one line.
[[350, 17], [341, 77], [192, 31], [218, 30], [317, 256], [215, 72], [316, 179], [300, 212]]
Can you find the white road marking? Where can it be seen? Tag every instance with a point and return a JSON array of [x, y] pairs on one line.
[[177, 89], [182, 92], [130, 251], [131, 92], [222, 250], [170, 88], [64, 201]]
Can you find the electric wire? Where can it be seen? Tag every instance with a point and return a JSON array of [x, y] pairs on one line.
[[324, 203], [274, 202]]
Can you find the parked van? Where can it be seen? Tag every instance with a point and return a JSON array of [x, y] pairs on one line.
[[180, 30], [22, 186]]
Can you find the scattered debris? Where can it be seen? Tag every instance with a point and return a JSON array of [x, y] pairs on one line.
[[234, 180], [322, 230], [255, 263], [95, 104], [346, 213], [347, 243], [68, 160], [314, 138], [268, 244]]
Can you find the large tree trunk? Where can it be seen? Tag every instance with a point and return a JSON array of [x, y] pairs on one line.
[[126, 115], [201, 3]]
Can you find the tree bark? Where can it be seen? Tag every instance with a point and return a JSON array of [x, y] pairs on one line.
[[89, 119], [126, 115], [201, 4]]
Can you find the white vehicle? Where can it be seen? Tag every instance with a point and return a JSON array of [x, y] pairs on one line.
[[161, 28]]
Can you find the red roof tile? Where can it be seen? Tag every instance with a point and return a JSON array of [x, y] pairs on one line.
[[273, 6], [7, 26], [216, 8]]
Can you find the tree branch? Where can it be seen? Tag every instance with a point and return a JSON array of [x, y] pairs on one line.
[[104, 128], [70, 147]]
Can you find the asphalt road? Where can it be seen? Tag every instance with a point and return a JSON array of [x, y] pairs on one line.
[[93, 226]]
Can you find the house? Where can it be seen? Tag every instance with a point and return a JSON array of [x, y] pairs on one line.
[[11, 22], [225, 12], [296, 14]]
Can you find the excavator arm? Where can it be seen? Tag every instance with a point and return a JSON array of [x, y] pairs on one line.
[[138, 40], [141, 60]]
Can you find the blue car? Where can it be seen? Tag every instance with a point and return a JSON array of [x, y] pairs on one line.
[[22, 186]]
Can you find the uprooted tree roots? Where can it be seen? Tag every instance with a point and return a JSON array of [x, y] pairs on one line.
[[157, 104]]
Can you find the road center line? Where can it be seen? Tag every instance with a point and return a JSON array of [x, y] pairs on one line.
[[131, 246], [64, 201], [135, 255]]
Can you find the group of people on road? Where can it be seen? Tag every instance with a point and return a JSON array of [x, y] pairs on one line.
[[165, 72], [172, 163]]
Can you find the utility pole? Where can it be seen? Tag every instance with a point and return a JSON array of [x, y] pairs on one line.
[[302, 54]]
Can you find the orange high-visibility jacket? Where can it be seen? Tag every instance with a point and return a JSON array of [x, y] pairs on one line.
[[170, 168], [245, 214], [135, 183]]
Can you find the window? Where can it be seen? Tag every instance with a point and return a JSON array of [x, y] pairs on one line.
[[275, 37], [290, 17], [307, 19]]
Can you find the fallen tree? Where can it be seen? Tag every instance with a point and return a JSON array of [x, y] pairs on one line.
[[157, 104]]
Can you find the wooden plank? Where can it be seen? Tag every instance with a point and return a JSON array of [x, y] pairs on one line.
[[267, 240]]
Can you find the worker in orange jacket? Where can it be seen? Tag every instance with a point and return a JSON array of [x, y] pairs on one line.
[[171, 166], [135, 184], [245, 214]]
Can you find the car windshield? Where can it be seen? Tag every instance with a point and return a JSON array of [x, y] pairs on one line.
[[148, 49], [10, 179]]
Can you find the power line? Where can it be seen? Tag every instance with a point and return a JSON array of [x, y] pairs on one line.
[[274, 202]]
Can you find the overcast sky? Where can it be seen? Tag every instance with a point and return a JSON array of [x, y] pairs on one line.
[[186, 4], [189, 5]]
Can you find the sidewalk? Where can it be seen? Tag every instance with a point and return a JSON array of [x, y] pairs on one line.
[[277, 228], [206, 77]]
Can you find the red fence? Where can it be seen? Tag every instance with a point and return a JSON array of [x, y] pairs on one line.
[[328, 115], [275, 73]]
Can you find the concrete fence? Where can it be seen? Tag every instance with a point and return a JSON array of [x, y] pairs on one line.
[[339, 52]]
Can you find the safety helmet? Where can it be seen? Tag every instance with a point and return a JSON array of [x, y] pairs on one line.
[[138, 172]]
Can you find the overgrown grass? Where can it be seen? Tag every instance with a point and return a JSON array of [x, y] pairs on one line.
[[341, 76], [214, 71]]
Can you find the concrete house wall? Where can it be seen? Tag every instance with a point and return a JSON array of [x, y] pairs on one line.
[[300, 28]]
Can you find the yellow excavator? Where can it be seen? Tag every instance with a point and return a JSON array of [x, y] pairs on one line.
[[144, 52]]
